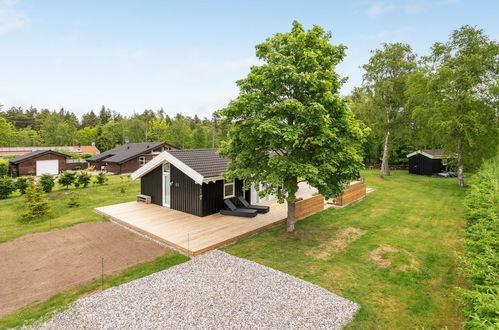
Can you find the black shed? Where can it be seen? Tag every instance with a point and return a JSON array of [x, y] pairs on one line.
[[188, 180], [427, 162]]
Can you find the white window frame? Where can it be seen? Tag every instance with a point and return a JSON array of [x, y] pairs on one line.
[[142, 160], [233, 184]]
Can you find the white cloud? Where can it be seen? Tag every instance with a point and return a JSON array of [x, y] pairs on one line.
[[10, 17], [378, 8], [388, 36]]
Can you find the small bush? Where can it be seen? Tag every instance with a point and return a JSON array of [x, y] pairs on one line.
[[7, 186], [100, 178], [4, 167], [73, 201], [23, 182], [84, 179], [47, 182], [66, 179], [36, 205], [481, 256]]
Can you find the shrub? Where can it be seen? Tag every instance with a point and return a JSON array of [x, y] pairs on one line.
[[47, 182], [7, 186], [73, 201], [36, 205], [4, 167], [481, 256], [66, 179], [23, 182], [100, 178], [84, 178]]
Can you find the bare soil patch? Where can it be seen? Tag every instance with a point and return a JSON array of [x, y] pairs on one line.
[[35, 267], [378, 256], [342, 238]]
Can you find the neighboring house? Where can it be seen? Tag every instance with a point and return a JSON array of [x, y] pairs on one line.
[[128, 157], [38, 163], [18, 151], [427, 162], [190, 181]]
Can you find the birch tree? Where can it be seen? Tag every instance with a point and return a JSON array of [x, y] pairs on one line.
[[457, 96], [384, 82]]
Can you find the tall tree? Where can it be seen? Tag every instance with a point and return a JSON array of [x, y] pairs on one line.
[[289, 122], [7, 132], [384, 82], [199, 139], [457, 96], [105, 115], [89, 119], [57, 130]]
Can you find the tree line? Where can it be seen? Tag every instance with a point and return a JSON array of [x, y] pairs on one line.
[[106, 128]]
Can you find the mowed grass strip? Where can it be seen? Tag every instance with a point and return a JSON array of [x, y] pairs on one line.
[[32, 313], [61, 215], [417, 221]]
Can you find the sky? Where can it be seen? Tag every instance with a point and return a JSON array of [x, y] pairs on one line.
[[185, 56]]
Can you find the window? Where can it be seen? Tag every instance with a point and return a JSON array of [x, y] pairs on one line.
[[228, 189], [142, 160]]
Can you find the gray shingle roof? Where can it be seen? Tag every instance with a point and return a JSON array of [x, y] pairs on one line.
[[204, 161], [125, 152], [33, 154]]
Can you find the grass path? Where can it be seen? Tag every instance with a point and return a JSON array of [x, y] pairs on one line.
[[61, 215], [419, 218]]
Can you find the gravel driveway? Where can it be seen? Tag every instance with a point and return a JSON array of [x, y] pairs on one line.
[[214, 290]]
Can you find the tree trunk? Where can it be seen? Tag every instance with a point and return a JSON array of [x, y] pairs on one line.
[[290, 223], [460, 165], [385, 168]]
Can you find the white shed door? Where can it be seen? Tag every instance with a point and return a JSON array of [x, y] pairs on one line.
[[47, 167]]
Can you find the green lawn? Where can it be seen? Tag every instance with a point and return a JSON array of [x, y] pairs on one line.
[[419, 216], [61, 215]]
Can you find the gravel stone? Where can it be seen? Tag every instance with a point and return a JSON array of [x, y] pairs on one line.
[[213, 291]]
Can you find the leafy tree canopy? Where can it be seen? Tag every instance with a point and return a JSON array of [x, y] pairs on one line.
[[289, 122]]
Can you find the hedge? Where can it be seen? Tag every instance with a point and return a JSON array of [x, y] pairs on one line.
[[481, 257]]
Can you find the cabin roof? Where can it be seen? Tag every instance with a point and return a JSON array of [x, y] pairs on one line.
[[125, 152], [430, 153], [27, 156], [201, 165]]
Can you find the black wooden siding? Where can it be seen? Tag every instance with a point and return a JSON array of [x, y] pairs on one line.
[[420, 164], [185, 193], [213, 196], [151, 185]]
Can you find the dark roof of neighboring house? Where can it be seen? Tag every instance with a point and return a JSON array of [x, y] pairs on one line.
[[24, 157], [204, 161], [126, 152]]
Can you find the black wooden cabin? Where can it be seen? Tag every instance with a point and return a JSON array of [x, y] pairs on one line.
[[189, 181], [427, 162]]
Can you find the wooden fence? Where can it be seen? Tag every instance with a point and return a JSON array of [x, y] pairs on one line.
[[309, 206], [353, 192]]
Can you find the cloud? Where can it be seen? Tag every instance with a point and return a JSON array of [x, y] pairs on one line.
[[136, 54], [378, 8], [10, 17]]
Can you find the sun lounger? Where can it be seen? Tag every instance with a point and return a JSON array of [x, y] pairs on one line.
[[258, 208], [237, 211]]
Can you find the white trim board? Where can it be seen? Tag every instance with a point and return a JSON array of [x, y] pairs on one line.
[[424, 154], [166, 157]]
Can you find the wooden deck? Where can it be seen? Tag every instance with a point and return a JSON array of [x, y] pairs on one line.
[[188, 233]]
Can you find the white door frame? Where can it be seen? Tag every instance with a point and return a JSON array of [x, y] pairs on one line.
[[164, 186]]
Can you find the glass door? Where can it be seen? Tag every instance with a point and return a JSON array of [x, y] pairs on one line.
[[166, 185]]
